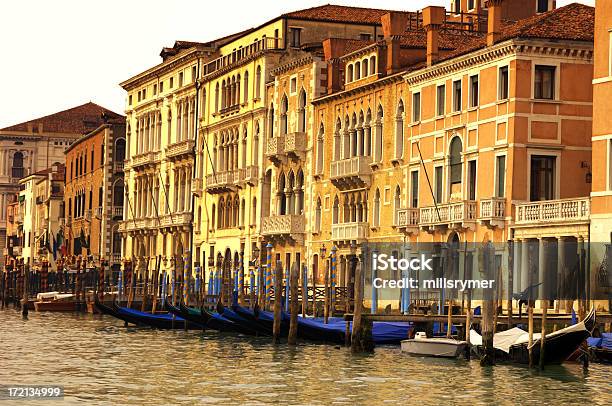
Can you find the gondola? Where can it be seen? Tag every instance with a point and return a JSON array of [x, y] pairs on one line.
[[263, 319], [190, 316], [513, 345], [110, 311], [165, 321], [213, 321]]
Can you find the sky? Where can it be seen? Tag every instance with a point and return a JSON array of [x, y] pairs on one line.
[[62, 53]]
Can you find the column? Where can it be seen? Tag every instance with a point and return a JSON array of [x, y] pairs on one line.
[[542, 271], [525, 269], [561, 267], [518, 251]]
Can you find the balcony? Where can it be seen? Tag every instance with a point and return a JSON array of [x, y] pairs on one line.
[[144, 160], [221, 182], [98, 212], [115, 259], [180, 220], [117, 212], [245, 53], [288, 225], [346, 232], [118, 167], [460, 215], [493, 212], [351, 173], [565, 211], [249, 175], [180, 149], [295, 145], [407, 220], [275, 149]]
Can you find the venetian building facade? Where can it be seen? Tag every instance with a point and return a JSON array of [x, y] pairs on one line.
[[238, 121], [35, 145], [161, 112], [601, 192], [94, 194]]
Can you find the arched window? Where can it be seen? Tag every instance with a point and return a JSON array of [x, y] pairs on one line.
[[242, 212], [258, 82], [255, 159], [337, 143], [367, 129], [217, 98], [203, 103], [456, 148], [280, 194], [236, 215], [17, 170], [336, 211], [254, 211], [283, 116], [246, 86], [399, 130], [118, 194], [364, 67], [271, 121], [320, 149], [349, 74], [353, 132], [318, 216], [302, 112], [237, 95], [119, 150], [376, 219], [357, 71], [373, 67], [378, 135], [221, 216], [299, 193]]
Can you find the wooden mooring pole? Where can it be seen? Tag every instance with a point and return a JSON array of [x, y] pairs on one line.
[[293, 286], [361, 337], [543, 335], [278, 278]]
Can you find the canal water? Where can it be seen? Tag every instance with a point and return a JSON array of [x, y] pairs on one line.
[[98, 361]]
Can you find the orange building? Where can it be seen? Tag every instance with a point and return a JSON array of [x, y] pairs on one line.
[[94, 193], [601, 192]]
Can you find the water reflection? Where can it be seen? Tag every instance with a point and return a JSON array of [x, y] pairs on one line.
[[100, 361]]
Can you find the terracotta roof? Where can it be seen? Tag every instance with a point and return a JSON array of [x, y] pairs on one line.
[[77, 120], [352, 45], [450, 39], [336, 13], [574, 22]]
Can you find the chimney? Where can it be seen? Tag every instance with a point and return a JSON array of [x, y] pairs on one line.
[[494, 21], [393, 25], [433, 17], [333, 49]]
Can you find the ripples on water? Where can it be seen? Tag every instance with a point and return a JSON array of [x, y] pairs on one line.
[[101, 362]]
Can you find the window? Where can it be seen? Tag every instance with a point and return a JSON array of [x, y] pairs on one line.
[[441, 100], [376, 219], [457, 6], [171, 82], [416, 107], [474, 96], [457, 95], [246, 86], [130, 100], [456, 147], [258, 82], [295, 34], [194, 73], [504, 83], [500, 178], [471, 180], [414, 192], [293, 85], [349, 74], [470, 5], [364, 36], [284, 122], [144, 94], [399, 130], [154, 90], [438, 184], [139, 96], [161, 87], [542, 177], [180, 79], [542, 6], [544, 83], [92, 159], [373, 65]]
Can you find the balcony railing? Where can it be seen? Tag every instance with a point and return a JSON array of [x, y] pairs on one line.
[[295, 144], [275, 147], [180, 148], [249, 175], [459, 214], [98, 212], [493, 211], [351, 173], [408, 220], [243, 53], [357, 231], [221, 182], [115, 258], [552, 211], [176, 220], [117, 211], [145, 159], [288, 224]]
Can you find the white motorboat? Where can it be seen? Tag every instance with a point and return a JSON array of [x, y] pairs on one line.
[[420, 345]]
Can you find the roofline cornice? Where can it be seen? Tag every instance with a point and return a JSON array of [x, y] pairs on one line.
[[396, 77]]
